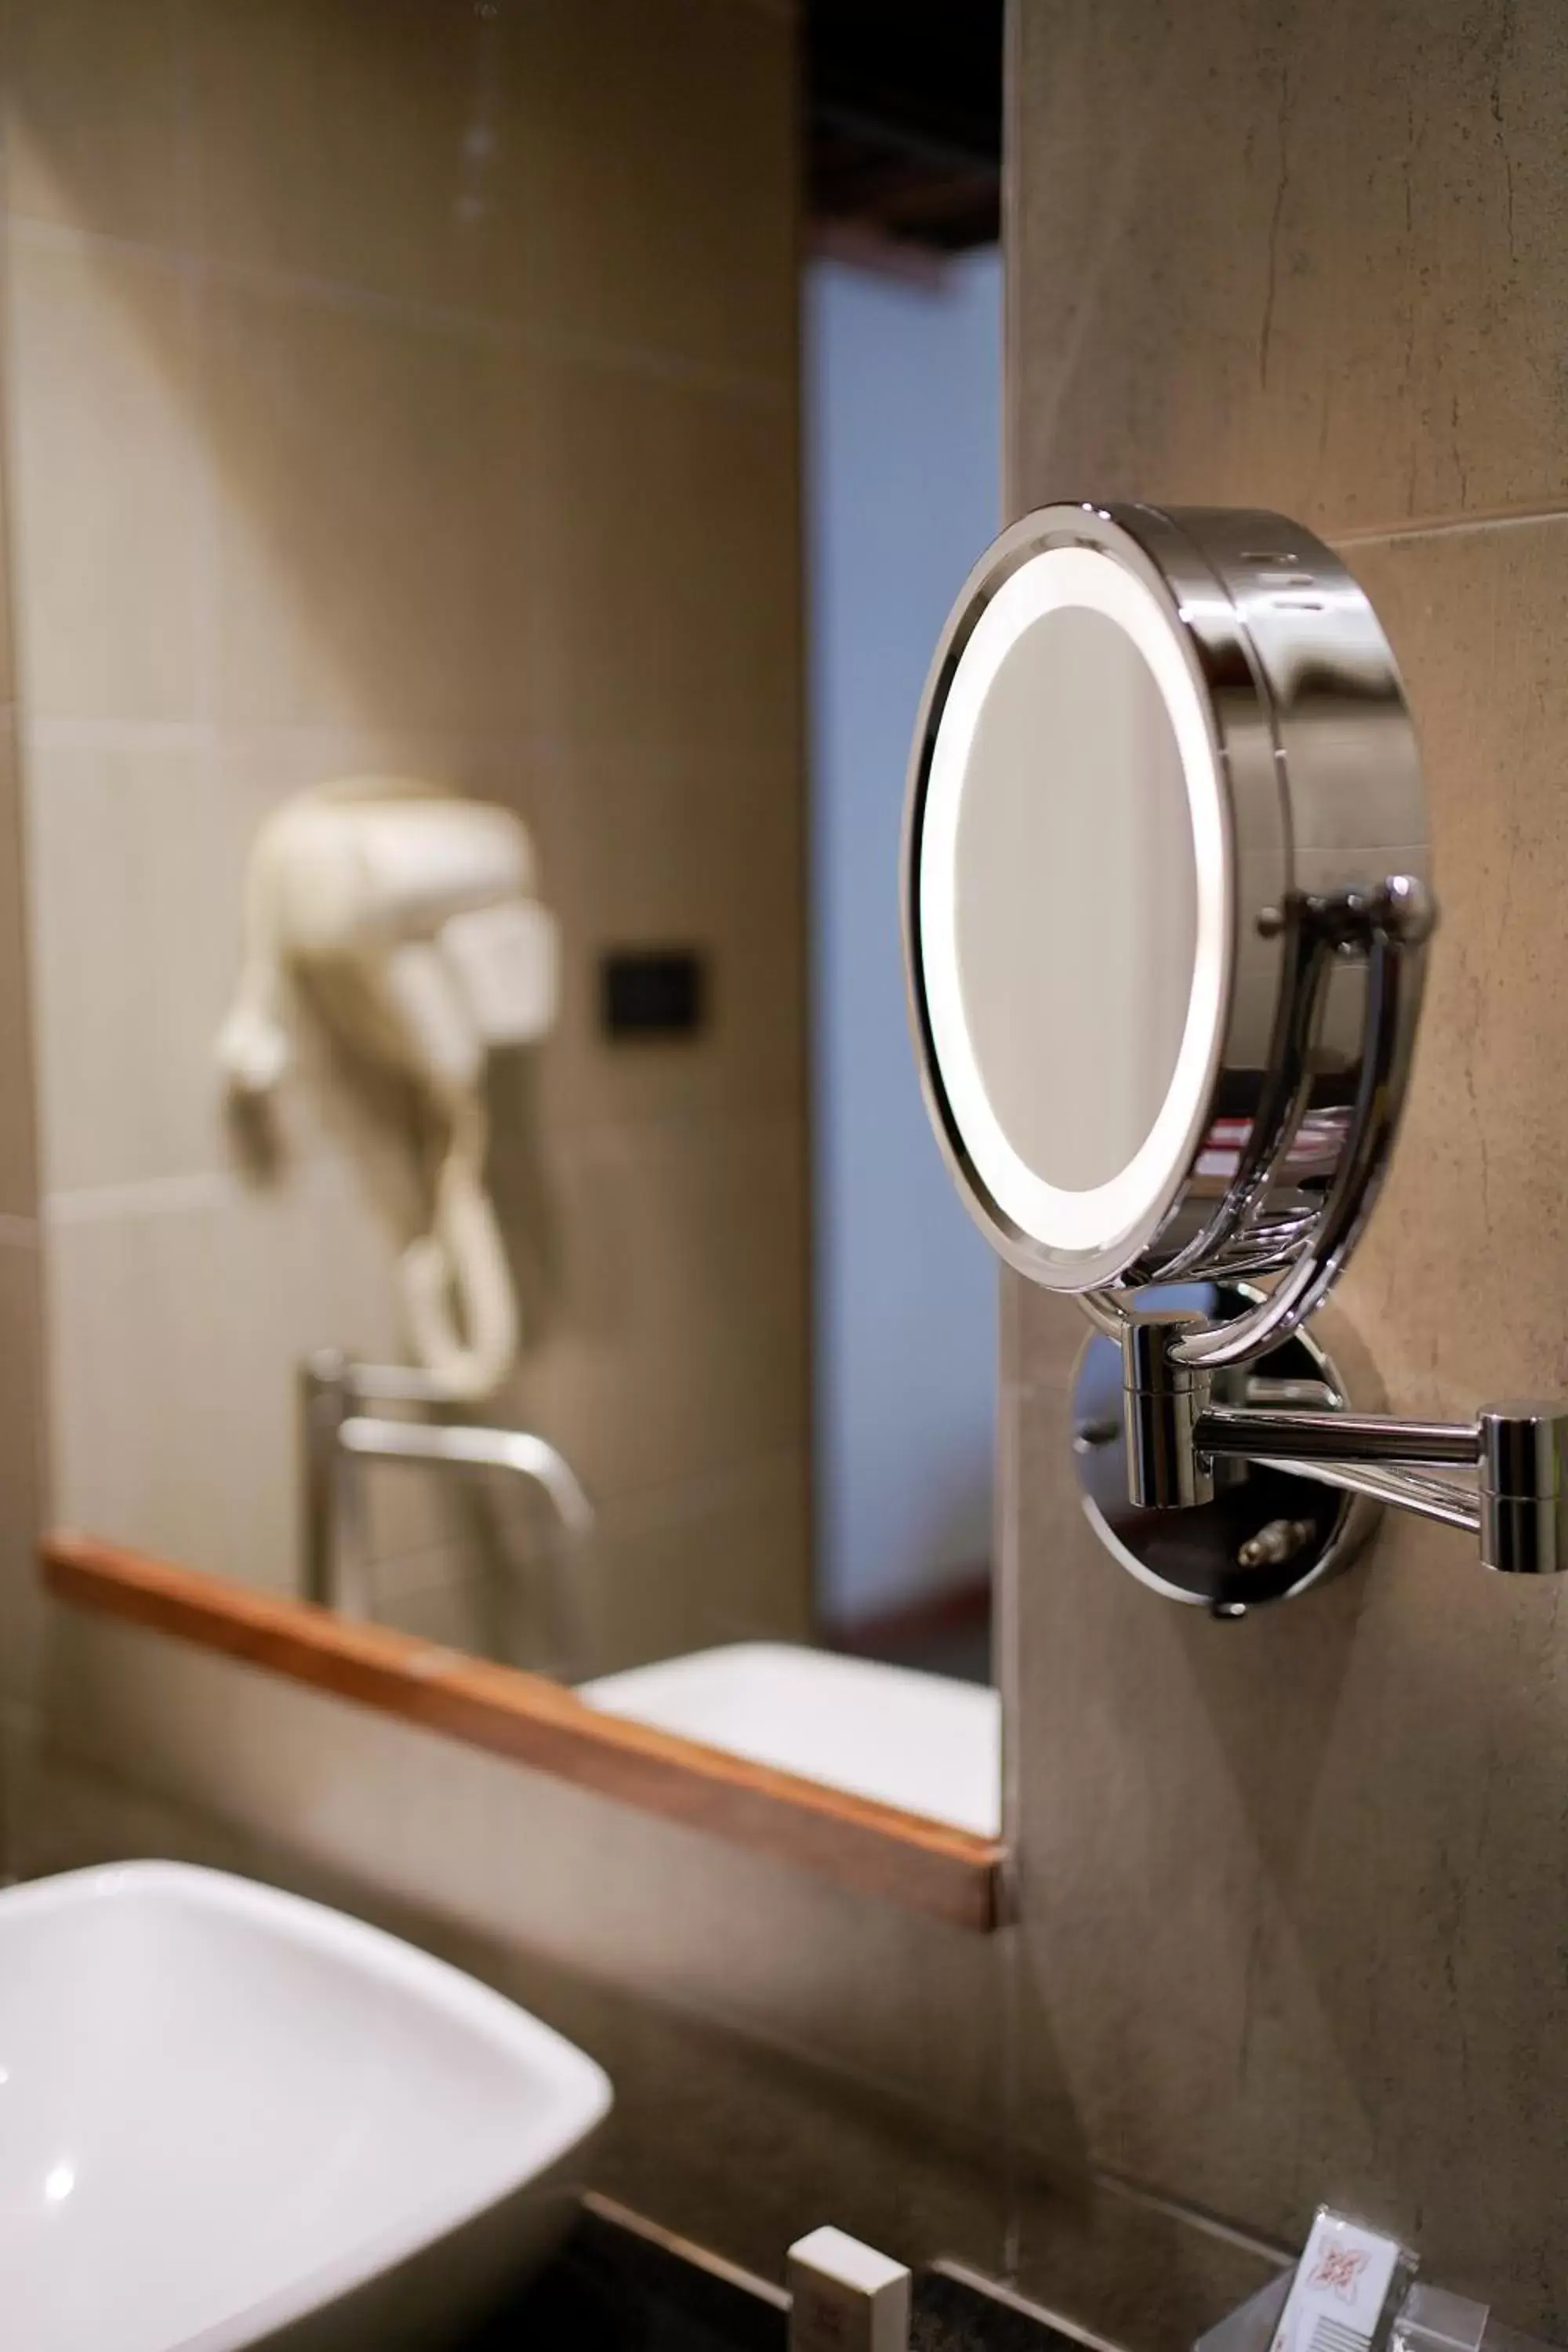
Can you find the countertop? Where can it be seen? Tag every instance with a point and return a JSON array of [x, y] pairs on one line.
[[615, 2288]]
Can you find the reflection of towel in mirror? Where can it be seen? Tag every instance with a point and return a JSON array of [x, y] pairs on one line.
[[413, 911]]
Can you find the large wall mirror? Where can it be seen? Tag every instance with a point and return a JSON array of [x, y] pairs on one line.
[[486, 1185]]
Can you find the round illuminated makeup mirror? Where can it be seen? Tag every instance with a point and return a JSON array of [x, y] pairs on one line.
[[1165, 905]]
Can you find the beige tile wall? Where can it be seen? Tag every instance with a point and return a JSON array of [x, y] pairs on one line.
[[1293, 1890], [413, 387]]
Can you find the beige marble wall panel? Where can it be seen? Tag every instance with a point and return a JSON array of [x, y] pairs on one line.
[[1291, 1889], [535, 166], [379, 151], [1133, 2273], [1464, 1282], [376, 541], [1305, 255], [613, 120], [109, 577], [177, 1319], [679, 1568], [92, 114], [668, 536], [678, 848], [135, 941], [669, 1310]]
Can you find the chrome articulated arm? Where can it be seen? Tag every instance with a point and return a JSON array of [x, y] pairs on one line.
[[1516, 1453], [1363, 1454]]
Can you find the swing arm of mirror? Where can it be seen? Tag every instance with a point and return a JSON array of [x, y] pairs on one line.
[[1278, 717]]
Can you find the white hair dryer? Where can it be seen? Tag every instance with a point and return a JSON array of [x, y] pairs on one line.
[[412, 915]]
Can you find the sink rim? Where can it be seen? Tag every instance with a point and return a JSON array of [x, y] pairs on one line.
[[579, 2091]]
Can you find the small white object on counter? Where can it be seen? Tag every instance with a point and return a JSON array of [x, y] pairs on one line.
[[845, 2297]]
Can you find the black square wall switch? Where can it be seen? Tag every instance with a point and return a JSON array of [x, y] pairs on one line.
[[653, 993]]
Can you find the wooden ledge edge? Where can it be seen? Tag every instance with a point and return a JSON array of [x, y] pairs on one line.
[[870, 1848]]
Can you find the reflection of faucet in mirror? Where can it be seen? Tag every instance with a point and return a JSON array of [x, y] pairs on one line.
[[337, 1435]]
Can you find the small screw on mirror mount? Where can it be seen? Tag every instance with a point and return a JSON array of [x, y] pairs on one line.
[[1276, 1541]]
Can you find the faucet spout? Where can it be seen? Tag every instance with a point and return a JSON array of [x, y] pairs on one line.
[[516, 1450], [336, 1437]]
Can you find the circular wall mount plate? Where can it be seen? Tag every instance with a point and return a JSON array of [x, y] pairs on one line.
[[1267, 1535]]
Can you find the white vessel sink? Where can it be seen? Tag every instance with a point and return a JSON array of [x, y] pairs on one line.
[[922, 1741], [231, 2117]]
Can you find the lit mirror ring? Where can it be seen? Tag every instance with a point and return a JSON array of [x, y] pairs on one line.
[[1140, 733]]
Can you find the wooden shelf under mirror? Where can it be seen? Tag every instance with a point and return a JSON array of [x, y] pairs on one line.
[[872, 1848]]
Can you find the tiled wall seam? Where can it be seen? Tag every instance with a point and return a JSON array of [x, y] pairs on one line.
[[199, 271], [346, 745], [1455, 526], [322, 1171]]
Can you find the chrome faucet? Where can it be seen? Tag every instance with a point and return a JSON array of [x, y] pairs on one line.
[[338, 1435]]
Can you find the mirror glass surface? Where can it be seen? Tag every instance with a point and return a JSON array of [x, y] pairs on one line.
[[1076, 911], [471, 933]]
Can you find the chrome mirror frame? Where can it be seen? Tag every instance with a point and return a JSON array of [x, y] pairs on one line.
[[1321, 857]]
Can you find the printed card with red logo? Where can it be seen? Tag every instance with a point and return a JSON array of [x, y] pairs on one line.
[[1341, 2289]]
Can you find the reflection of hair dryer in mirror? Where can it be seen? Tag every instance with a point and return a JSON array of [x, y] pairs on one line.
[[411, 917]]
